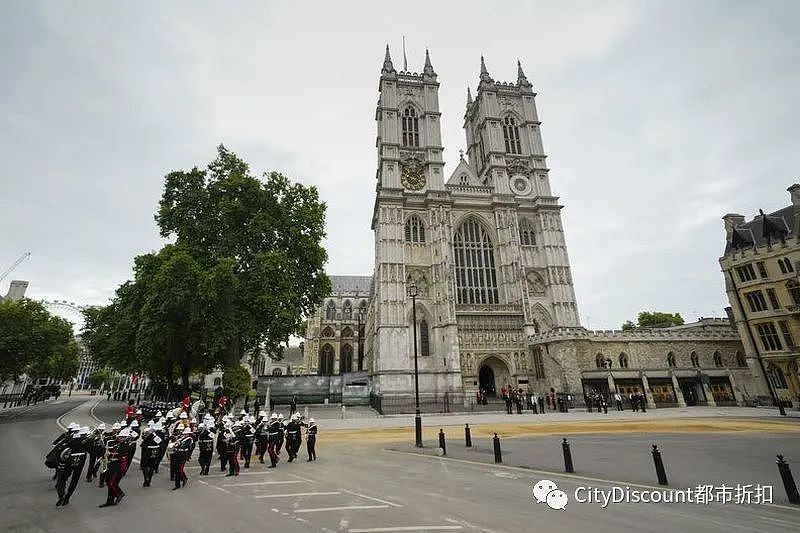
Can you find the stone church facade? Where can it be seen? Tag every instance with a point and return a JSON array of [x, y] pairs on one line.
[[484, 247]]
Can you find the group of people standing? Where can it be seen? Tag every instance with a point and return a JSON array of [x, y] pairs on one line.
[[107, 452], [599, 401]]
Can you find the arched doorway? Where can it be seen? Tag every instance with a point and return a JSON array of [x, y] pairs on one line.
[[486, 381], [326, 360], [493, 375]]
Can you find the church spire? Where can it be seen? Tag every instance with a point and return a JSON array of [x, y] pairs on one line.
[[388, 68], [522, 81], [469, 97], [428, 70], [485, 78]]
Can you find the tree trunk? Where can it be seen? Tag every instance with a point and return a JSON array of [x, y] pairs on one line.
[[185, 369], [234, 351]]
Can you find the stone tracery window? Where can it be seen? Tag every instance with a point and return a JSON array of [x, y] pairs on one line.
[[410, 124], [347, 332], [527, 235], [424, 339], [347, 310], [326, 360], [511, 135], [415, 229], [346, 359], [476, 278], [330, 311], [328, 332], [600, 361]]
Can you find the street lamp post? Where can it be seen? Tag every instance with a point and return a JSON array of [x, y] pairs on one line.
[[412, 291], [360, 353]]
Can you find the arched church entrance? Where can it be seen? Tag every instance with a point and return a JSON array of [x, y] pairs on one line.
[[493, 375]]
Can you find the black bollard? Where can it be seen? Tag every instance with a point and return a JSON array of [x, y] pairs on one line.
[[468, 436], [660, 472], [567, 457], [788, 480], [442, 443], [498, 455]]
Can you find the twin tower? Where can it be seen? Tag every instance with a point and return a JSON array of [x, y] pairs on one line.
[[483, 248]]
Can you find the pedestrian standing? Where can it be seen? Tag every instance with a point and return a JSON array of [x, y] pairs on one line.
[[618, 400], [311, 440]]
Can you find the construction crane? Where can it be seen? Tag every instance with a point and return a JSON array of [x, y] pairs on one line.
[[15, 265]]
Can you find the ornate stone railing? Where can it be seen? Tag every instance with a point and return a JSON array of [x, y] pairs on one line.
[[559, 334]]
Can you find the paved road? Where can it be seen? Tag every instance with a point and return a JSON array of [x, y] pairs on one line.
[[360, 489]]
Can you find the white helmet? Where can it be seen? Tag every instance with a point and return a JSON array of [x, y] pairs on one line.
[[170, 415], [72, 425], [262, 414], [193, 421], [135, 424], [101, 426], [183, 415], [116, 426], [274, 416], [123, 423], [138, 411], [243, 412], [159, 414], [311, 421], [158, 426], [280, 416], [187, 430], [124, 433]]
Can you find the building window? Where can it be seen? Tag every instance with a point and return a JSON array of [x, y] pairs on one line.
[[776, 376], [511, 135], [740, 359], [476, 279], [410, 127], [347, 310], [746, 273], [671, 362], [347, 332], [600, 361], [277, 372], [787, 336], [424, 339], [756, 301], [538, 363], [346, 359], [415, 229], [330, 311], [623, 360], [326, 360], [762, 270], [718, 360], [794, 291], [217, 382], [463, 179], [527, 235], [695, 360], [786, 265], [328, 332], [773, 299], [769, 336]]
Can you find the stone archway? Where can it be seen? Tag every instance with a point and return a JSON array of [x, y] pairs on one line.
[[493, 375]]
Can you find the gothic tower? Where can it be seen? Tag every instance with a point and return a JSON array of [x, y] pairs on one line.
[[411, 226]]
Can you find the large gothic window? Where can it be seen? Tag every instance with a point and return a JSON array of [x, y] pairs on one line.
[[410, 127], [671, 362], [347, 310], [424, 339], [326, 360], [511, 135], [328, 332], [346, 359], [476, 279], [527, 236], [330, 311], [415, 229]]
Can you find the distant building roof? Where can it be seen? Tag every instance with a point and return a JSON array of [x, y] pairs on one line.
[[763, 229], [703, 323], [351, 284]]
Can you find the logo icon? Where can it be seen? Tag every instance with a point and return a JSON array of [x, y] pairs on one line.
[[545, 491]]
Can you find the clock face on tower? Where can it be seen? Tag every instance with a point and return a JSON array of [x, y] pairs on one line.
[[413, 177]]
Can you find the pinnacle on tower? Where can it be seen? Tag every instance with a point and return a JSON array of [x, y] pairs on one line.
[[388, 68], [428, 70], [485, 73], [522, 81], [469, 97]]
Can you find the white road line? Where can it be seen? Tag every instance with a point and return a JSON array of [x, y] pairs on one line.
[[404, 528], [293, 494], [342, 508], [215, 487], [301, 477], [778, 521], [259, 483], [370, 498], [240, 473]]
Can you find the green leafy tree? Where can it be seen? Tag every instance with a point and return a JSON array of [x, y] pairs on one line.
[[100, 378], [35, 342], [654, 319], [260, 240], [236, 381]]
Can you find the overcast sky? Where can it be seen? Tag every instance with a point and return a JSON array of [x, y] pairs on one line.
[[658, 118]]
